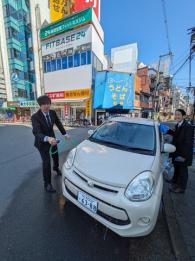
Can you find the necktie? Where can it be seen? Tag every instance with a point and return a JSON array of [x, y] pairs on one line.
[[48, 120]]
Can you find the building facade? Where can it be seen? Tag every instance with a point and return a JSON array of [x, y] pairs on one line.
[[20, 47], [3, 94], [72, 53]]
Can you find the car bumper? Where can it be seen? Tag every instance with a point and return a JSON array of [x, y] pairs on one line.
[[115, 211]]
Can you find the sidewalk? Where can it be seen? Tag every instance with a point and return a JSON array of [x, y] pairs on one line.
[[180, 216]]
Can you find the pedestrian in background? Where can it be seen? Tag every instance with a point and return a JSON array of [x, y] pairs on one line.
[[183, 156], [42, 122]]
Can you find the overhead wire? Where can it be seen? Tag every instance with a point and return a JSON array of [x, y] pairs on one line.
[[182, 65]]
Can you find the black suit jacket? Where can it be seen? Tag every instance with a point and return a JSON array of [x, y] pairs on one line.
[[183, 141], [41, 128]]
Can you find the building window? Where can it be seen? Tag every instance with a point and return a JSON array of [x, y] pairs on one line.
[[77, 60], [14, 54], [49, 66], [83, 58], [10, 11], [70, 61], [53, 65], [59, 64], [64, 63], [22, 93], [88, 57]]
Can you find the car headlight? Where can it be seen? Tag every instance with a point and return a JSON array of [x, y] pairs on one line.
[[141, 187], [70, 159]]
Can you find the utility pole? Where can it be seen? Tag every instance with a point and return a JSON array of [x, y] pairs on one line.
[[192, 51]]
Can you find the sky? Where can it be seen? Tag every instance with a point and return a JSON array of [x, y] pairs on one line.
[[141, 21]]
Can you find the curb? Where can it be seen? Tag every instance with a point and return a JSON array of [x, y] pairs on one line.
[[178, 244]]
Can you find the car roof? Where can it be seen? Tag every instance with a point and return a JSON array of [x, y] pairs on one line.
[[134, 120]]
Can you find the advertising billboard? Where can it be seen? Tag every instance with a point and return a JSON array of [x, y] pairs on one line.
[[114, 90], [78, 5], [59, 9], [66, 24], [124, 58], [74, 40]]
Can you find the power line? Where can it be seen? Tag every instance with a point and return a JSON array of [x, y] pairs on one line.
[[166, 25], [180, 61], [181, 67]]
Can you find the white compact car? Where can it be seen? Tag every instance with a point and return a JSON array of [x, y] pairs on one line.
[[115, 175]]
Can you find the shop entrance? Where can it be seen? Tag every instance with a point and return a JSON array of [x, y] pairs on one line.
[[78, 114]]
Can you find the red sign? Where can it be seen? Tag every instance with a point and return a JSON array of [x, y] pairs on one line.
[[79, 5], [55, 95], [66, 109]]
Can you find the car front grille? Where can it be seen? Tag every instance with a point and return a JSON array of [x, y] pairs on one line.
[[100, 213]]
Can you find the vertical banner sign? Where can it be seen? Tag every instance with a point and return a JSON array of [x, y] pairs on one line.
[[66, 109], [88, 107], [79, 5], [59, 9]]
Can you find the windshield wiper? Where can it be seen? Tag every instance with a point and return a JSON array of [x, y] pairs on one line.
[[105, 142], [120, 145], [139, 149]]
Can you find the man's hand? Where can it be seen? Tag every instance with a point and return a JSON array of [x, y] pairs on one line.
[[67, 137], [52, 141]]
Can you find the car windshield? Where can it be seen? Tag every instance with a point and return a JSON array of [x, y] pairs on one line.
[[138, 138]]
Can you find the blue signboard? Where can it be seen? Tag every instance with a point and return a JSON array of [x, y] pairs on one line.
[[114, 90]]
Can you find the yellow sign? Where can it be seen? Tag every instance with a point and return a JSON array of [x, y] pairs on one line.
[[88, 107], [77, 94], [60, 9]]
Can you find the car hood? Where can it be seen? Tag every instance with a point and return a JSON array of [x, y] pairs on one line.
[[109, 165]]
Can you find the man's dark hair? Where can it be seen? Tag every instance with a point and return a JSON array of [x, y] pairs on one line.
[[182, 112], [44, 99]]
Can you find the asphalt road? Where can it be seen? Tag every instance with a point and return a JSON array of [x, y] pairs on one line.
[[37, 226]]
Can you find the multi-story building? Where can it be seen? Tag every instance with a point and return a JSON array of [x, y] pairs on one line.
[[19, 29], [3, 94], [145, 95], [73, 51]]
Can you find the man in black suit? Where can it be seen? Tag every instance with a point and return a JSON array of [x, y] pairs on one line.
[[183, 156], [42, 122]]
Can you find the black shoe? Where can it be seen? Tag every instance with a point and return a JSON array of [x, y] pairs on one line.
[[177, 190], [50, 189], [58, 171]]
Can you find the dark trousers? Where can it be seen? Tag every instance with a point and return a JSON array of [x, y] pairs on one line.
[[180, 176], [46, 164]]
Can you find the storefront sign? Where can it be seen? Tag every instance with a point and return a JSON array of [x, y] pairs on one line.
[[114, 90], [11, 108], [67, 23], [28, 104], [88, 107], [66, 42], [70, 94], [77, 94], [79, 5], [59, 9], [55, 95], [13, 104]]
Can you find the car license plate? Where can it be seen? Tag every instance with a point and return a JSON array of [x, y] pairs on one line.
[[87, 202]]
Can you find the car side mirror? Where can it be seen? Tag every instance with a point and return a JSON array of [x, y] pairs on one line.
[[90, 132], [169, 148]]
